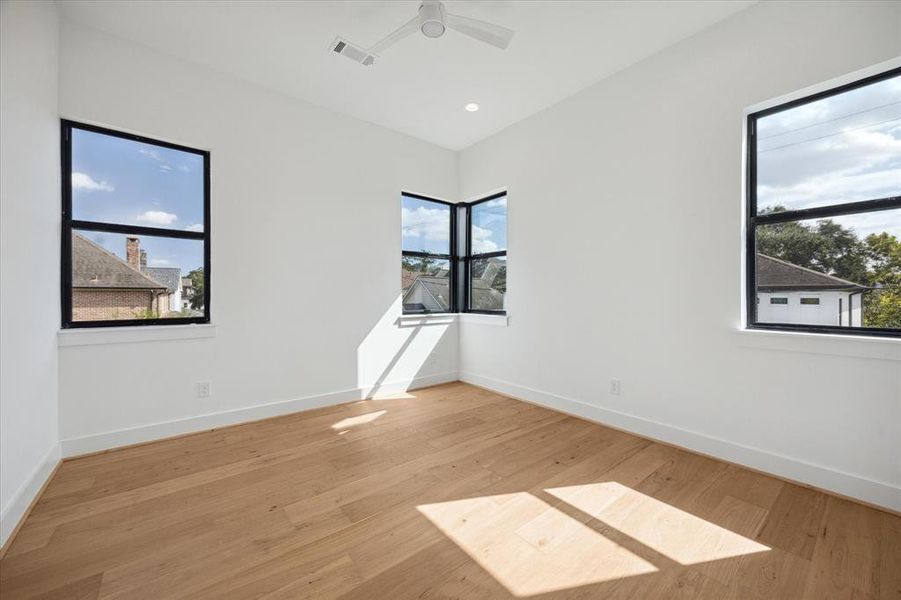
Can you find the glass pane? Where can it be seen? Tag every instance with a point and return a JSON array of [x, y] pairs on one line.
[[115, 180], [489, 226], [842, 271], [117, 276], [488, 283], [425, 284], [425, 226], [844, 148]]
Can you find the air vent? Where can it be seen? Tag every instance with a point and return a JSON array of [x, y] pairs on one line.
[[353, 52]]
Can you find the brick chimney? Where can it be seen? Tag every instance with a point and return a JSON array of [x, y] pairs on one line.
[[133, 252], [143, 259]]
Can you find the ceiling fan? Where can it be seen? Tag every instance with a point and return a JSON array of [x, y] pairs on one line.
[[433, 21]]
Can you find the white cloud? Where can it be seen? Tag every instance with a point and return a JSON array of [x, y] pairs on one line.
[[859, 164], [83, 181], [165, 166], [480, 240], [157, 217], [155, 155], [431, 224], [194, 227], [159, 262]]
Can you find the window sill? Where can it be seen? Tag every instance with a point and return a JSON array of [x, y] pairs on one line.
[[821, 343], [128, 335], [447, 318], [426, 319], [484, 319]]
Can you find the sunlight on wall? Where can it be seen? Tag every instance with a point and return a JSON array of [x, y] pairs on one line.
[[674, 533], [519, 539], [392, 355], [358, 420]]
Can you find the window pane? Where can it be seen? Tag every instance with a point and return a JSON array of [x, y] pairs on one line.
[[425, 284], [851, 262], [425, 226], [115, 180], [489, 226], [843, 148], [488, 283], [117, 276]]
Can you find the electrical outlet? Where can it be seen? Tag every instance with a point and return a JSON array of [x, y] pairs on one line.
[[616, 387], [204, 389]]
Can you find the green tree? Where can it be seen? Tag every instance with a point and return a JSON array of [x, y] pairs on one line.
[[417, 264], [826, 246], [198, 283], [882, 307]]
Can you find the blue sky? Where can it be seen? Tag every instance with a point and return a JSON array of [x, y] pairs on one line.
[[115, 180], [425, 226], [489, 226], [843, 148]]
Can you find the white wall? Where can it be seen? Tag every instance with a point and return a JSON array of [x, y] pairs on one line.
[[624, 258], [305, 214], [29, 253]]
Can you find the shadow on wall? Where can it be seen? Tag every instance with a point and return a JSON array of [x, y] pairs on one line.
[[395, 356]]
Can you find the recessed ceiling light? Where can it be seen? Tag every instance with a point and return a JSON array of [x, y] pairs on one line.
[[472, 107]]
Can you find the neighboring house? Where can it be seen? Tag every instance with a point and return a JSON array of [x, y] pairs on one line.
[[431, 293], [171, 278], [788, 293], [426, 293], [105, 287], [485, 284], [187, 291]]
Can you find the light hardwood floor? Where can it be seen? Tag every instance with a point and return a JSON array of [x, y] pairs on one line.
[[447, 492]]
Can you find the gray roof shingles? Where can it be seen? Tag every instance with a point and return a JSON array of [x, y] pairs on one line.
[[774, 275], [168, 276], [95, 267]]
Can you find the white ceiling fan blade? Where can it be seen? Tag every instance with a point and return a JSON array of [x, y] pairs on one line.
[[400, 33], [481, 30]]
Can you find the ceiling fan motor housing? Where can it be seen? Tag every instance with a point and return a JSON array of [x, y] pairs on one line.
[[431, 19]]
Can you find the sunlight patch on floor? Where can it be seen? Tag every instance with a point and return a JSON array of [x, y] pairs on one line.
[[358, 420], [531, 547], [674, 533]]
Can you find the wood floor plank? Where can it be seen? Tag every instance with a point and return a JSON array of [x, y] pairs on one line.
[[447, 492], [794, 521]]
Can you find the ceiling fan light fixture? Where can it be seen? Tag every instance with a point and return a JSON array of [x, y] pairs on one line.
[[472, 107], [432, 29], [431, 19], [433, 22]]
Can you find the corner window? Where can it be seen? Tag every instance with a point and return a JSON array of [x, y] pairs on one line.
[[486, 255], [428, 261], [135, 230], [824, 210]]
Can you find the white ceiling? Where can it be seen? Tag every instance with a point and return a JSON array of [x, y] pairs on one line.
[[420, 86]]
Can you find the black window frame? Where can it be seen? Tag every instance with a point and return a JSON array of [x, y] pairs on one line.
[[468, 257], [452, 257], [753, 220], [69, 224]]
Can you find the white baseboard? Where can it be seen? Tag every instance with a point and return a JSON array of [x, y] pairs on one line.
[[156, 431], [23, 497], [846, 484]]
